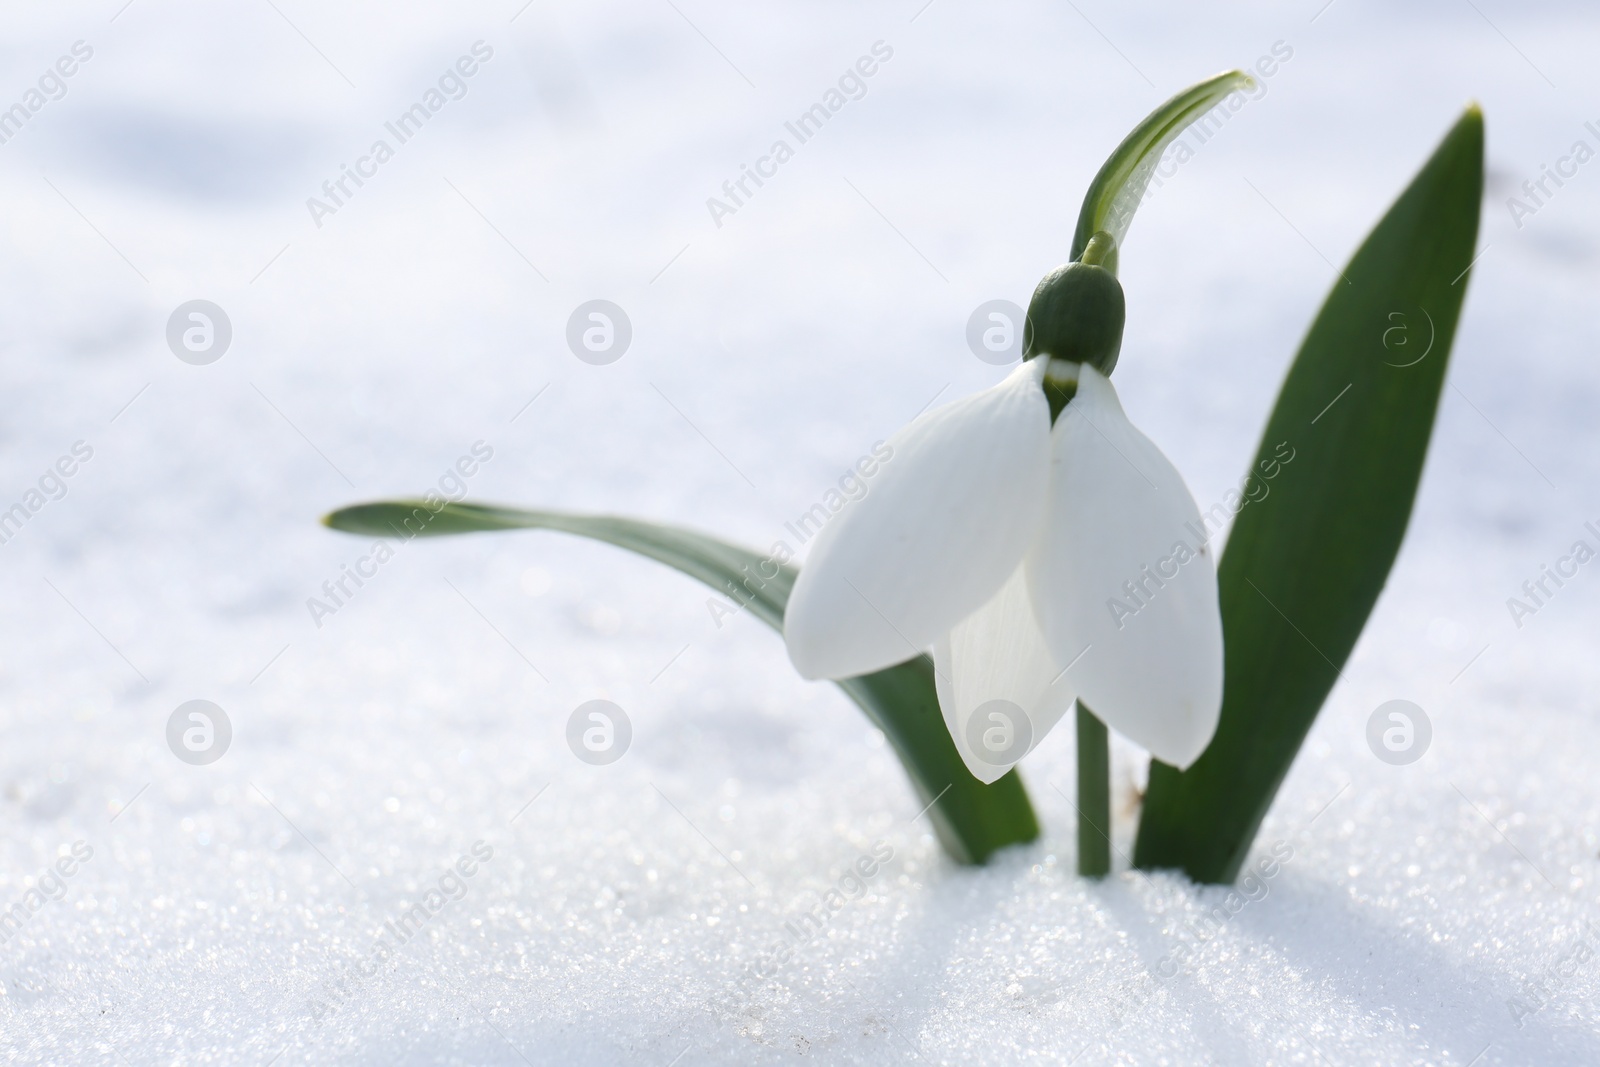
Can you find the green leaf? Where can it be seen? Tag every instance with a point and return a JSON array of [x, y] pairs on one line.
[[1117, 189], [971, 819], [726, 568], [1304, 565]]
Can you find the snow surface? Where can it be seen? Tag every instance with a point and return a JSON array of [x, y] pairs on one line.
[[1435, 913]]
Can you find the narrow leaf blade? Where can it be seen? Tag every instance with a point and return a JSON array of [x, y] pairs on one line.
[[1305, 564], [727, 568], [971, 819]]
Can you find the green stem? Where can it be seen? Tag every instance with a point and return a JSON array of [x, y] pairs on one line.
[[1094, 795], [1094, 742], [1101, 247]]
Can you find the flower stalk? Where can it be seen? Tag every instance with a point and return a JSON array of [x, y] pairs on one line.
[[1076, 317], [1094, 795]]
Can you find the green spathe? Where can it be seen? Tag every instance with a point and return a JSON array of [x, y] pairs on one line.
[[1119, 186]]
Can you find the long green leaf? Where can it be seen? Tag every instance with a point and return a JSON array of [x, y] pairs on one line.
[[1117, 189], [971, 819], [1304, 566]]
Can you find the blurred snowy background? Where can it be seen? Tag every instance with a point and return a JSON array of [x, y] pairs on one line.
[[1433, 913]]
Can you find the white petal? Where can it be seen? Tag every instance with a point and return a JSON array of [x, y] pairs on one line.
[[1121, 569], [941, 526], [998, 654]]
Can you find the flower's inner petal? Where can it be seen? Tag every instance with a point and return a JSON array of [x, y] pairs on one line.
[[1122, 574], [939, 526], [999, 687]]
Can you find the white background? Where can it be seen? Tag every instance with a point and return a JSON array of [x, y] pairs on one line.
[[621, 908]]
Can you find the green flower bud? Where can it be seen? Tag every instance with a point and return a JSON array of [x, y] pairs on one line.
[[1077, 311]]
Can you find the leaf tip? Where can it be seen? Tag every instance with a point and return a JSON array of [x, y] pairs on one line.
[[343, 519], [1465, 138], [1470, 124]]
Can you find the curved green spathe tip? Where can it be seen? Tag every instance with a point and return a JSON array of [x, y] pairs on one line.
[[1115, 193]]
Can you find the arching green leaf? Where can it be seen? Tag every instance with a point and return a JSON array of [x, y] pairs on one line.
[[971, 819]]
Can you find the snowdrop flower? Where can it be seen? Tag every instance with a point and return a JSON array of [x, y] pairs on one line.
[[1040, 564]]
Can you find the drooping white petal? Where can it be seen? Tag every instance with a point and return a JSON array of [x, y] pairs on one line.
[[1122, 575], [999, 688], [942, 524]]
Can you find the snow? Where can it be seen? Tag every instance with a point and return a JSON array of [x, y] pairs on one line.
[[1440, 912]]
